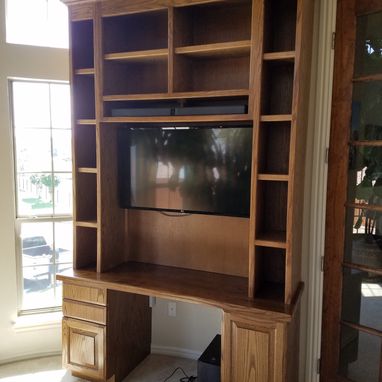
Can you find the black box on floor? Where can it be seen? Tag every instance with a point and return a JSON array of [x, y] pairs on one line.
[[209, 362]]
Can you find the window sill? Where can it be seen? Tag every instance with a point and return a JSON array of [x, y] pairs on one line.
[[32, 322]]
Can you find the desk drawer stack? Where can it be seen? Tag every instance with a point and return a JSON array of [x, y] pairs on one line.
[[93, 340]]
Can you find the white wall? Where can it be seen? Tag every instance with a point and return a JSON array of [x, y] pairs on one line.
[[27, 62]]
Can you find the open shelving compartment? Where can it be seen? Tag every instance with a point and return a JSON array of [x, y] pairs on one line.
[[270, 273], [212, 44], [270, 239], [135, 48], [280, 26], [274, 148]]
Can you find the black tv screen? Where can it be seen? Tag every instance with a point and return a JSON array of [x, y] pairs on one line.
[[195, 170]]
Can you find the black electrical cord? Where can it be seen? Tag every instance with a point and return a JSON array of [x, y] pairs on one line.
[[186, 378]]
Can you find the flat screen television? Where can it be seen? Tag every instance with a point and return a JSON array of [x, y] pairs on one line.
[[186, 169]]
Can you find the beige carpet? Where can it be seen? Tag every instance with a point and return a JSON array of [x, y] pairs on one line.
[[155, 368]]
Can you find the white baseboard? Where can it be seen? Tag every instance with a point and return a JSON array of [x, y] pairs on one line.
[[175, 351], [27, 357]]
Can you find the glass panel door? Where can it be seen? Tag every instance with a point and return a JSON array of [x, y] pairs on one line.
[[352, 317]]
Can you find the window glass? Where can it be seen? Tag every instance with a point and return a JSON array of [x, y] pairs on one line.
[[37, 22], [43, 166]]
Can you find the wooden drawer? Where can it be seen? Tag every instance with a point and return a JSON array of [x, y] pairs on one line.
[[84, 311], [92, 295], [84, 347]]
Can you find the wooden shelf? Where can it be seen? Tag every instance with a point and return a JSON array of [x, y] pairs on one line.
[[87, 224], [177, 95], [371, 77], [366, 143], [85, 72], [222, 291], [185, 118], [86, 122], [87, 170], [276, 239], [276, 118], [280, 56], [273, 177], [223, 49], [138, 56]]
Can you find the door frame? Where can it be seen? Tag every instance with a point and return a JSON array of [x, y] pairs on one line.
[[347, 12]]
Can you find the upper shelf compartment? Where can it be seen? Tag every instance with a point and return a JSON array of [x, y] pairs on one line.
[[82, 45], [212, 23], [280, 25], [135, 50], [135, 32], [212, 44]]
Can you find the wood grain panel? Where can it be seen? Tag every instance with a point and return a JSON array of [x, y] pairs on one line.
[[222, 291], [84, 348], [368, 6], [128, 332], [88, 294], [205, 242], [337, 186], [84, 311], [254, 109], [79, 12], [250, 362], [253, 349], [300, 108], [112, 221]]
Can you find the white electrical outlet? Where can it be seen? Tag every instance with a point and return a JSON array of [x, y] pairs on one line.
[[172, 309]]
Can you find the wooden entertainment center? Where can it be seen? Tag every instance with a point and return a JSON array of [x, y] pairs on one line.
[[139, 54]]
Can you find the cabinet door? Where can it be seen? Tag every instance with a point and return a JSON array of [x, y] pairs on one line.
[[253, 350], [84, 348]]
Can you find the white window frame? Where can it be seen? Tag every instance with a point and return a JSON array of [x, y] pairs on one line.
[[19, 220]]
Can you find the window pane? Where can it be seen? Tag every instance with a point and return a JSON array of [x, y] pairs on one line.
[[64, 244], [37, 265], [60, 106], [369, 45], [34, 194], [63, 194], [62, 150], [362, 298], [37, 22], [31, 104], [39, 290], [363, 237], [33, 150], [360, 355]]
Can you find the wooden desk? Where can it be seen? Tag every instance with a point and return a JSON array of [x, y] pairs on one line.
[[107, 322]]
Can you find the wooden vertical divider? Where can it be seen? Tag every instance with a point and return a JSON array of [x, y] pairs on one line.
[[171, 50], [300, 108], [254, 110], [98, 86], [111, 219]]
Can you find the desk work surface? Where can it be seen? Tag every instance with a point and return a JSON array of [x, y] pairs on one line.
[[222, 291]]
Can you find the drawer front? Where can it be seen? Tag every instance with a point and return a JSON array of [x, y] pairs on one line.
[[92, 295], [84, 311], [84, 348]]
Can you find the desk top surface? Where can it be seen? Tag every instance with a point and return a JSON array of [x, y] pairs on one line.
[[222, 291]]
